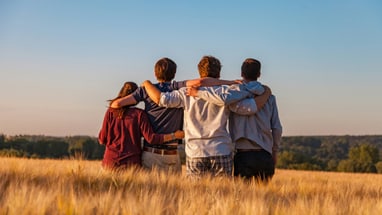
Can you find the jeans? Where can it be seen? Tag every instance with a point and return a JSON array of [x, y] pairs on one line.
[[258, 165]]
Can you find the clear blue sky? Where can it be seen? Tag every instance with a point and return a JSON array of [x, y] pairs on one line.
[[61, 60]]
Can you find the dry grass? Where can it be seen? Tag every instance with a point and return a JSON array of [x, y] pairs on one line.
[[82, 187]]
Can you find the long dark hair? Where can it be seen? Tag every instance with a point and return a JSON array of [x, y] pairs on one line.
[[127, 89]]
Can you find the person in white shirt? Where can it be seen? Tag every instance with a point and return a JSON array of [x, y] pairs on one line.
[[257, 137], [209, 148]]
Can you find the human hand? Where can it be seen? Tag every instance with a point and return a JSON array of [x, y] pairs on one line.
[[238, 81], [192, 91]]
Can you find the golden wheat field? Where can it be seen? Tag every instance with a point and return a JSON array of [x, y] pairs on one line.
[[30, 186]]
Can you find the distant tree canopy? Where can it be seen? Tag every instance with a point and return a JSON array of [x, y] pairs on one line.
[[362, 158], [325, 153], [2, 139], [331, 153], [51, 147]]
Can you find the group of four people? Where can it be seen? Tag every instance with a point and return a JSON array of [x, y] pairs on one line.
[[204, 106]]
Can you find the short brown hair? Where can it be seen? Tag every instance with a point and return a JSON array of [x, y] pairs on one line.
[[250, 69], [209, 66], [165, 69]]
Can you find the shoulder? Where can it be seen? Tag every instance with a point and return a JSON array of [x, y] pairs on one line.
[[272, 99], [138, 93], [252, 84], [111, 110], [254, 87], [136, 110], [139, 90]]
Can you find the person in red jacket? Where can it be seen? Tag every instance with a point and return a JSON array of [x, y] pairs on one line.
[[122, 131]]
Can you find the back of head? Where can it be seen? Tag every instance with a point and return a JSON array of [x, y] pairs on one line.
[[127, 89], [209, 66], [165, 69], [250, 69]]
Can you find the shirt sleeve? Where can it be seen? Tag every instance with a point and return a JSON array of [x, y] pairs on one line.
[[244, 107], [276, 126], [102, 136], [173, 99], [176, 85], [223, 95], [147, 130], [139, 94]]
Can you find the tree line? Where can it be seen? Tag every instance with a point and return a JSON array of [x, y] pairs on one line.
[[323, 153], [332, 153], [39, 146]]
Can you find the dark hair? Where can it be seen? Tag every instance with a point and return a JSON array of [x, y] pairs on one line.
[[250, 69], [165, 69], [209, 66], [127, 89]]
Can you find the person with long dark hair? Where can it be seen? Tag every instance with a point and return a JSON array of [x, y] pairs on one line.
[[122, 131]]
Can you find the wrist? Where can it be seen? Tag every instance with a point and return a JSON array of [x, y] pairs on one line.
[[173, 136]]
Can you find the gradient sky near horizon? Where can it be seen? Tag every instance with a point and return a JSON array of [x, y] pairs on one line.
[[61, 60]]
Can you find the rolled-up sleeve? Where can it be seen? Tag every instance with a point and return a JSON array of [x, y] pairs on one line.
[[244, 107], [223, 95], [172, 99]]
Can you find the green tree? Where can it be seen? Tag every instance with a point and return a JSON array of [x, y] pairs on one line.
[[98, 151], [11, 153], [50, 148], [347, 166], [379, 167], [3, 143], [287, 159], [82, 146], [2, 139], [332, 165], [362, 158]]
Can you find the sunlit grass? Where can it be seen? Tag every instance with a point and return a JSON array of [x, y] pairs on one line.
[[30, 186]]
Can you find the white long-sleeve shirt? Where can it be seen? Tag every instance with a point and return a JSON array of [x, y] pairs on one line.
[[263, 128], [206, 132]]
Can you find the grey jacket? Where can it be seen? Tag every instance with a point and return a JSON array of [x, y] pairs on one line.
[[263, 128], [249, 127]]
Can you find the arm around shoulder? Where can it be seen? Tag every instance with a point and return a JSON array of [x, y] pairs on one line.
[[124, 101], [208, 82], [263, 98], [152, 91]]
